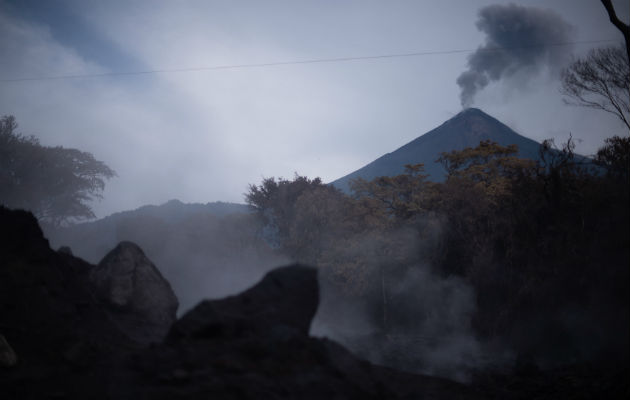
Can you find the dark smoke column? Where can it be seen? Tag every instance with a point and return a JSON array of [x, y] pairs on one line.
[[520, 42]]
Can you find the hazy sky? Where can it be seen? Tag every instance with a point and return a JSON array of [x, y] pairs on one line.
[[204, 135]]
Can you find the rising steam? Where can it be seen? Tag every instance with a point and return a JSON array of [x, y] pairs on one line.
[[520, 42]]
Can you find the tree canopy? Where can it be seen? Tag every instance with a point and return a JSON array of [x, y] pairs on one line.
[[600, 81], [526, 235], [55, 183]]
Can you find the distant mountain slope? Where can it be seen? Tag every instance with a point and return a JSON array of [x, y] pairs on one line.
[[92, 240], [174, 210], [203, 250], [466, 129]]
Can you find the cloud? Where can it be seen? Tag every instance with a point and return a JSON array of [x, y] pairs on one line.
[[162, 143], [520, 42], [193, 136], [203, 136]]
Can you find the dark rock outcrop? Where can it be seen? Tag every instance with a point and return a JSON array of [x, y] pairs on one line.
[[71, 343], [63, 337], [65, 250], [8, 358], [283, 303], [256, 345], [143, 302]]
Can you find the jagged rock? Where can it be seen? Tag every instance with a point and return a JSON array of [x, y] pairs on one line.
[[65, 250], [20, 234], [283, 303], [143, 301], [8, 358], [46, 305], [256, 345], [71, 346]]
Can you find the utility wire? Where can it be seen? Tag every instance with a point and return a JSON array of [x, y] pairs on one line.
[[294, 62]]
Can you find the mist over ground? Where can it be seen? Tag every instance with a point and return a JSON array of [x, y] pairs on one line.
[[208, 256], [203, 251], [511, 264]]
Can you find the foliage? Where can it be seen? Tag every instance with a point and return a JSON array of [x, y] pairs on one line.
[[319, 221], [600, 81], [615, 157], [275, 204], [55, 183], [489, 168], [528, 236], [400, 197]]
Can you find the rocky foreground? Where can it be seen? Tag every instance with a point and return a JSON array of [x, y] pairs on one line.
[[72, 330]]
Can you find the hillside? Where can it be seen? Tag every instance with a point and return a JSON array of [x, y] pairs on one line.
[[249, 346], [175, 210], [61, 337], [466, 129], [204, 250], [92, 240]]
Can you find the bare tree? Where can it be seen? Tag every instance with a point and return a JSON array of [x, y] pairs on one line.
[[600, 81], [624, 28]]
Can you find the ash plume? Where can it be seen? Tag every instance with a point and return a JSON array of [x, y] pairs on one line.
[[520, 42]]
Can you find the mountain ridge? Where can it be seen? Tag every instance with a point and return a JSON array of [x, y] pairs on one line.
[[175, 209], [466, 129]]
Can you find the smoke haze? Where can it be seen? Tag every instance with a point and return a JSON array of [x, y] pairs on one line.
[[520, 43], [202, 253], [428, 316]]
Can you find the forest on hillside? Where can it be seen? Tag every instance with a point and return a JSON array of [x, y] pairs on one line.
[[475, 261], [508, 260], [541, 247], [511, 276]]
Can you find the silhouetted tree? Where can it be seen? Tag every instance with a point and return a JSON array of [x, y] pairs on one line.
[[615, 157], [624, 28], [600, 81], [400, 196], [274, 202], [55, 183]]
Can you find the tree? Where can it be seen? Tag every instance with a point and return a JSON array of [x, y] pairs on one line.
[[615, 157], [489, 166], [320, 219], [600, 81], [624, 28], [275, 203], [54, 183], [400, 196]]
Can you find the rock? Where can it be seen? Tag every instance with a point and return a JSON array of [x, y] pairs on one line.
[[20, 235], [282, 304], [256, 345], [65, 250], [8, 358], [143, 301], [46, 305], [74, 344]]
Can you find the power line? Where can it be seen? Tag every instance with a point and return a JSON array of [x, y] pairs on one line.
[[294, 62]]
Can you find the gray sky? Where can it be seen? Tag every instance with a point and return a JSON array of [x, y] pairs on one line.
[[203, 136]]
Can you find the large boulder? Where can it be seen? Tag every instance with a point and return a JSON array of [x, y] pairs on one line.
[[20, 236], [283, 303], [59, 341], [69, 323], [255, 345], [8, 358], [143, 302]]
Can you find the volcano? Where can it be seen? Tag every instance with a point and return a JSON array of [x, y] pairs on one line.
[[466, 129]]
